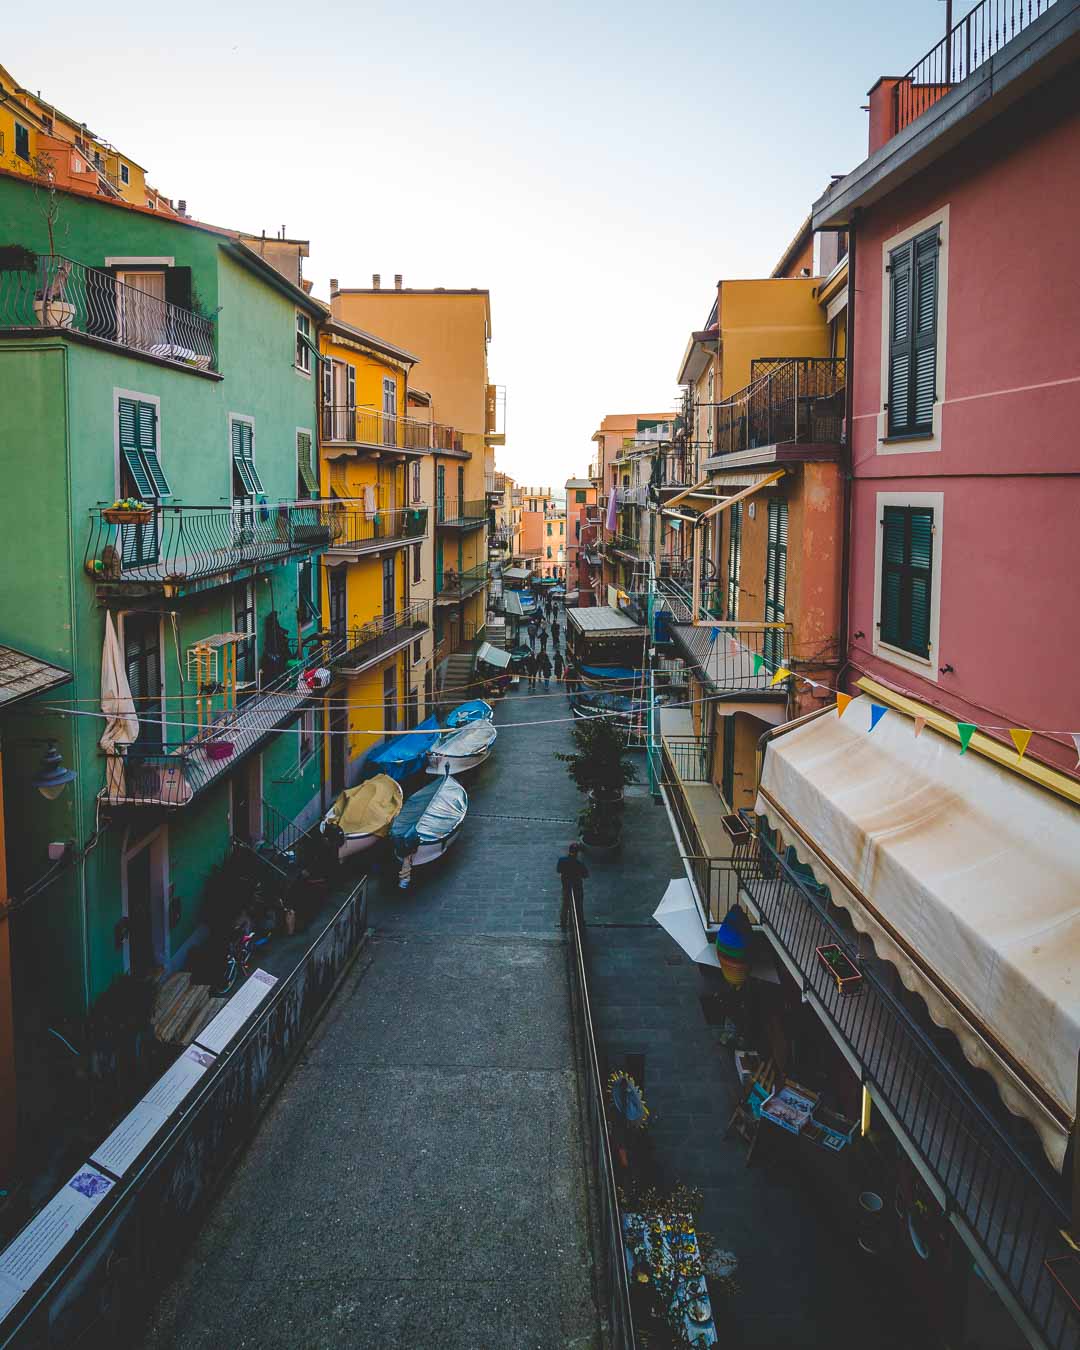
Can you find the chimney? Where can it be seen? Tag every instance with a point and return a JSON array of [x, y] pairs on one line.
[[181, 207], [376, 281], [333, 285], [397, 281]]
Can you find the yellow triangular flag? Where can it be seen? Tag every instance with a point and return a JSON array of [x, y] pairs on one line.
[[920, 722], [781, 674], [842, 700], [1020, 738]]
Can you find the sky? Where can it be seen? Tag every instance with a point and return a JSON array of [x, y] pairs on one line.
[[596, 169]]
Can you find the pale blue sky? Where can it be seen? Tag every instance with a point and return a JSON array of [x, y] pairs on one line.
[[597, 170]]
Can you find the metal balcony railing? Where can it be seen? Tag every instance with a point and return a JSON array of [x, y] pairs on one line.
[[188, 543], [992, 1191], [446, 440], [455, 514], [367, 426], [628, 544], [57, 293], [788, 399], [684, 764], [360, 531], [455, 585], [981, 33], [358, 648], [741, 656]]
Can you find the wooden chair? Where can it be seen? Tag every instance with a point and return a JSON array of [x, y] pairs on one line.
[[743, 1122]]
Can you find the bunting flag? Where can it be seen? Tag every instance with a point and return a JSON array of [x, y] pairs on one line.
[[920, 722], [842, 701], [1076, 741], [877, 712], [966, 730], [714, 633], [759, 661], [733, 647], [1020, 737], [781, 674]]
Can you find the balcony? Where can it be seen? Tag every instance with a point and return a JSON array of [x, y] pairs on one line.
[[348, 427], [1005, 1211], [453, 586], [495, 415], [354, 533], [183, 548], [493, 488], [454, 514], [59, 295], [626, 546], [788, 401], [361, 648], [741, 659]]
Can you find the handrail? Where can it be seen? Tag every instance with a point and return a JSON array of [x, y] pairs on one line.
[[787, 399]]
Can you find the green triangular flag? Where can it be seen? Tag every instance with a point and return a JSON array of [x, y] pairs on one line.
[[966, 730], [759, 661]]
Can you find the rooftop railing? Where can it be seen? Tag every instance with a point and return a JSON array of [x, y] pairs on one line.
[[788, 399], [177, 544], [981, 33], [54, 292], [359, 647]]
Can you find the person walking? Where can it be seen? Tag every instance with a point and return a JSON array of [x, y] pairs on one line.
[[554, 632], [543, 639], [530, 669], [572, 873], [558, 666], [545, 670]]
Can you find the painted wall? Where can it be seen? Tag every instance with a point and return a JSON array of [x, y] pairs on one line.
[[775, 316], [1010, 404]]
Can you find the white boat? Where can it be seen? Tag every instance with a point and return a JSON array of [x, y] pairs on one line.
[[475, 710], [363, 815], [428, 824], [462, 748]]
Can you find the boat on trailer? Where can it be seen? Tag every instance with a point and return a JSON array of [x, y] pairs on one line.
[[462, 749], [428, 824]]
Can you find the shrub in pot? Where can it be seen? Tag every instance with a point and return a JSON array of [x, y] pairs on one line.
[[600, 766]]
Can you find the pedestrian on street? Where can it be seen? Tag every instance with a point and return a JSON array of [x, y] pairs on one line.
[[543, 639], [558, 666], [530, 669], [554, 632], [572, 873], [545, 670]]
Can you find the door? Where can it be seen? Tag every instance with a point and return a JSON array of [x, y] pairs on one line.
[[389, 407], [339, 725], [390, 682], [246, 786], [727, 772], [244, 622], [440, 492], [142, 955], [389, 593], [142, 658], [459, 509], [775, 583], [338, 607], [140, 309]]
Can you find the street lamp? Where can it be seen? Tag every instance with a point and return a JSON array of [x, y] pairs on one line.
[[52, 778]]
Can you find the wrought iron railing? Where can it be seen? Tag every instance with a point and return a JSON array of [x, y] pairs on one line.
[[981, 33], [626, 543], [357, 531], [1005, 1205], [56, 292], [461, 515], [683, 761], [455, 585], [788, 399], [615, 1288], [369, 426], [282, 831], [740, 656], [359, 647], [187, 543]]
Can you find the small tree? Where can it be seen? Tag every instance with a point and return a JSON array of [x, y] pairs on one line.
[[599, 764], [49, 204]]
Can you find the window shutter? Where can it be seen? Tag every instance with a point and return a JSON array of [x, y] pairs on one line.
[[775, 581], [237, 439], [129, 424], [350, 384], [178, 286], [894, 529], [900, 339], [924, 365], [907, 553], [303, 464], [920, 557], [734, 560]]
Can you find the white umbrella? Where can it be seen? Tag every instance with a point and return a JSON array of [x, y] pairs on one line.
[[678, 914]]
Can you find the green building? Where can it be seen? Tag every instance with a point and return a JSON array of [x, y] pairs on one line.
[[162, 360]]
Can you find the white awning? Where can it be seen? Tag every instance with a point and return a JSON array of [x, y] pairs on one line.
[[965, 876], [493, 656]]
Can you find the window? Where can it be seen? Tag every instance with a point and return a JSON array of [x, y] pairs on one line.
[[907, 552], [246, 480], [549, 529], [307, 599], [549, 550], [734, 560], [577, 529], [125, 174], [416, 482], [307, 484], [775, 582], [244, 622], [141, 472], [913, 305], [22, 142], [389, 396], [307, 735], [303, 343], [416, 563], [579, 495], [142, 661]]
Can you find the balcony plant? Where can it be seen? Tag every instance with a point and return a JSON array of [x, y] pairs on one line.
[[843, 971], [128, 511], [51, 308]]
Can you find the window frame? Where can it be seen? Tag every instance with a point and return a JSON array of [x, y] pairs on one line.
[[307, 736], [254, 481], [926, 667], [302, 356], [125, 175], [19, 127], [307, 606]]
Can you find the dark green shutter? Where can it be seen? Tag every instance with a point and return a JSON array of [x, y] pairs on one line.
[[913, 311], [920, 561], [924, 363], [178, 286], [243, 448], [907, 553], [899, 339], [138, 446], [775, 581], [303, 465], [734, 559], [893, 548]]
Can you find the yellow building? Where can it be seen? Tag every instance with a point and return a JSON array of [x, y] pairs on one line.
[[81, 160], [449, 331], [371, 471]]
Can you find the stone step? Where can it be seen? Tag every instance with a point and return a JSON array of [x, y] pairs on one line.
[[205, 1014], [193, 1000]]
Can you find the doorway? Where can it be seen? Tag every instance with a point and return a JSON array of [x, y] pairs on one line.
[[247, 801], [390, 683], [389, 590], [335, 587], [144, 888]]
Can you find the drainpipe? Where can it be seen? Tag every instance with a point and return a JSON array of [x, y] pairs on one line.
[[847, 456]]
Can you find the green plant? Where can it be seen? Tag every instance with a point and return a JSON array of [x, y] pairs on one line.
[[599, 762]]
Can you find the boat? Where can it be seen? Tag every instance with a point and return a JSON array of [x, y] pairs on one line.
[[462, 748], [475, 710], [363, 815], [428, 824], [627, 712], [620, 678], [404, 755]]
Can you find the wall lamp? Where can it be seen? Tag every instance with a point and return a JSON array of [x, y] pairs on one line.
[[52, 777]]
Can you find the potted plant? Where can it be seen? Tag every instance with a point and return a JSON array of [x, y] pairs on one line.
[[128, 511], [51, 308], [842, 969], [599, 766]]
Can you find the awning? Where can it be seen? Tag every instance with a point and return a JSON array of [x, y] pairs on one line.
[[965, 876], [492, 656]]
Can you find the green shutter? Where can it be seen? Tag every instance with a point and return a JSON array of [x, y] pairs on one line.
[[775, 581], [920, 561], [303, 463], [243, 446], [924, 362], [128, 412], [893, 550], [899, 339], [734, 560], [138, 446], [907, 553]]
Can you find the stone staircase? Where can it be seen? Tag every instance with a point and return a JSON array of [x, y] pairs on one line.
[[455, 677], [183, 1008]]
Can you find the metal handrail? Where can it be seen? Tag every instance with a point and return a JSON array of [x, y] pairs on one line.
[[787, 399], [982, 32], [352, 423], [61, 294], [458, 513], [359, 646], [464, 583], [357, 528]]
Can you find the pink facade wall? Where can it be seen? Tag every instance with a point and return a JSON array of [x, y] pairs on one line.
[[1009, 463]]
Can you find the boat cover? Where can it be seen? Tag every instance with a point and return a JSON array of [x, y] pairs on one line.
[[369, 808], [476, 710], [492, 656], [611, 672], [519, 603], [472, 739], [429, 815], [400, 756]]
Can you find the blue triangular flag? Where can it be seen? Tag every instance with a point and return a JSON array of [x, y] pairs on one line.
[[714, 633], [877, 712]]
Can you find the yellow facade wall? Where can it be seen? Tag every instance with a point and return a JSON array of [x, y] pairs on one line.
[[775, 316]]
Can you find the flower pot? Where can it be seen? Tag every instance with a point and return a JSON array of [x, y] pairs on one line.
[[843, 971], [606, 796], [54, 313], [600, 846], [736, 829], [219, 750], [118, 516]]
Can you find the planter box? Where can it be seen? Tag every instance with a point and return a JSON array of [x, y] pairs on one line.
[[842, 970], [121, 517], [736, 829]]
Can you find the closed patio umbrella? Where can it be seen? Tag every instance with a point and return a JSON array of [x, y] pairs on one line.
[[678, 914], [116, 703]]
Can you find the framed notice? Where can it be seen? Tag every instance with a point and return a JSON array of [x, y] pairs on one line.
[[231, 1020]]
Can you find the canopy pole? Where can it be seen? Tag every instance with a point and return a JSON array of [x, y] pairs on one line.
[[1073, 1234]]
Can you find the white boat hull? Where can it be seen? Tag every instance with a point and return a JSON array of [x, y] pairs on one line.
[[357, 843], [438, 764], [429, 852]]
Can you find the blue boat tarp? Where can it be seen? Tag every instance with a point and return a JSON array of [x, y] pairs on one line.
[[611, 672], [400, 756], [429, 815], [476, 710]]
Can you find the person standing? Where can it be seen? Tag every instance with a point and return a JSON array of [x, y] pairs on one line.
[[543, 639], [545, 670], [572, 873], [554, 632], [558, 666], [530, 670]]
